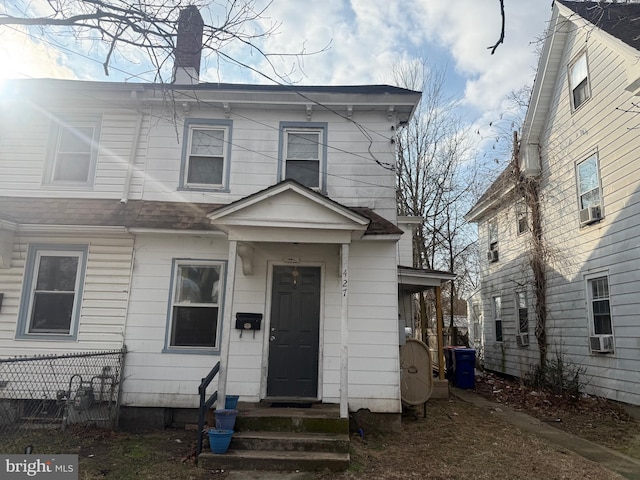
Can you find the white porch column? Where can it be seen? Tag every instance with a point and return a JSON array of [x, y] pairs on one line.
[[226, 323], [344, 332]]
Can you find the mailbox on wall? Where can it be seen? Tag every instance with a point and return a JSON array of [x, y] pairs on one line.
[[248, 321]]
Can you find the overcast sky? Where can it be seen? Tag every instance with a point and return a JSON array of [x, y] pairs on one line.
[[365, 39]]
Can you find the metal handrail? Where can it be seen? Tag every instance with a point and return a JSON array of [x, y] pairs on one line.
[[205, 405]]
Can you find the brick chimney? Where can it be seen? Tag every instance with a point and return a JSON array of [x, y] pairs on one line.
[[186, 66]]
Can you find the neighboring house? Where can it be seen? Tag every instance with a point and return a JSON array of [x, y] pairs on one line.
[[580, 149], [172, 218]]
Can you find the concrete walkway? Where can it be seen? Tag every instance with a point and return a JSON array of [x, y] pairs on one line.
[[622, 464]]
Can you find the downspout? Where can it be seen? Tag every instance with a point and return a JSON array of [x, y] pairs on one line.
[[132, 159]]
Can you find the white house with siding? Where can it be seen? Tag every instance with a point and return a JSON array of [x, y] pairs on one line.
[[579, 146], [195, 223]]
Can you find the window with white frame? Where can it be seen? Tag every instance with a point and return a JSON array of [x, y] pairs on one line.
[[194, 316], [588, 182], [73, 152], [52, 291], [523, 312], [599, 305], [497, 317], [493, 240], [475, 311], [205, 163], [303, 153], [522, 222], [579, 81]]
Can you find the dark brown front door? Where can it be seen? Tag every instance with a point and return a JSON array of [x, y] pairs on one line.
[[294, 332]]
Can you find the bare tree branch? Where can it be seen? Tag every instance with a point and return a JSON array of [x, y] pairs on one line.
[[494, 47], [151, 26]]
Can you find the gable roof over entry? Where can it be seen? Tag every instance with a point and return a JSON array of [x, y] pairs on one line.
[[291, 212]]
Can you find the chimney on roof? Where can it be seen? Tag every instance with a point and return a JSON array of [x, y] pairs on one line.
[[186, 66]]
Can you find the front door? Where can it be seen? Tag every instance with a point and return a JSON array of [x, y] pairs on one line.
[[294, 332]]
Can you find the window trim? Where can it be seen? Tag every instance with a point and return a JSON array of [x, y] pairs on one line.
[[516, 295], [58, 126], [522, 211], [588, 278], [321, 127], [579, 194], [191, 124], [497, 319], [572, 88], [35, 251], [175, 264]]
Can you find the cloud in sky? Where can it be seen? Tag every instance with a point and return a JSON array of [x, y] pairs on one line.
[[366, 38]]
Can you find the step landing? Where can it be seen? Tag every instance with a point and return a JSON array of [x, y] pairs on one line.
[[285, 439]]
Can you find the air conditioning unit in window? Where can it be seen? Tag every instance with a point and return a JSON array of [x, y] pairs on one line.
[[492, 256], [590, 215], [522, 339], [601, 343]]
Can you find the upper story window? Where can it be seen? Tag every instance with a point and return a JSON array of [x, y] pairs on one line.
[[52, 292], [497, 317], [492, 255], [303, 153], [73, 152], [589, 195], [194, 316], [579, 81], [522, 221], [206, 154]]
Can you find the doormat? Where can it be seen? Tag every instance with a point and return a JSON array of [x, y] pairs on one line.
[[290, 405]]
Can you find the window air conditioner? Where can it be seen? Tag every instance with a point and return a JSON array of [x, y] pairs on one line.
[[522, 339], [492, 256], [590, 214], [601, 343]]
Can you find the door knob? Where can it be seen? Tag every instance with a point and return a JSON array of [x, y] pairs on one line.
[[272, 338]]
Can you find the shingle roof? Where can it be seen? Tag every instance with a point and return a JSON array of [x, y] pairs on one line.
[[100, 212], [135, 214], [621, 20]]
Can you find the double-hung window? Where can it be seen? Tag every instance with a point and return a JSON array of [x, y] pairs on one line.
[[52, 292], [497, 317], [599, 305], [73, 152], [579, 81], [303, 154], [492, 255], [205, 163], [522, 222], [523, 312], [588, 182], [195, 305]]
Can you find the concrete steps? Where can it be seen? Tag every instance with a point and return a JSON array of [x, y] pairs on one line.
[[285, 439]]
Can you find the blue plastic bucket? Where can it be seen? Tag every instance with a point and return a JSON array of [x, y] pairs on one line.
[[225, 418], [219, 440], [231, 402]]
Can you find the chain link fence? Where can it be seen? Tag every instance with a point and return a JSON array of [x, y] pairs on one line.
[[54, 391]]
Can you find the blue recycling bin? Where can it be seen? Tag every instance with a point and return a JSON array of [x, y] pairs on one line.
[[464, 365]]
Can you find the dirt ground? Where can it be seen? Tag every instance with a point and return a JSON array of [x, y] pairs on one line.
[[456, 440]]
